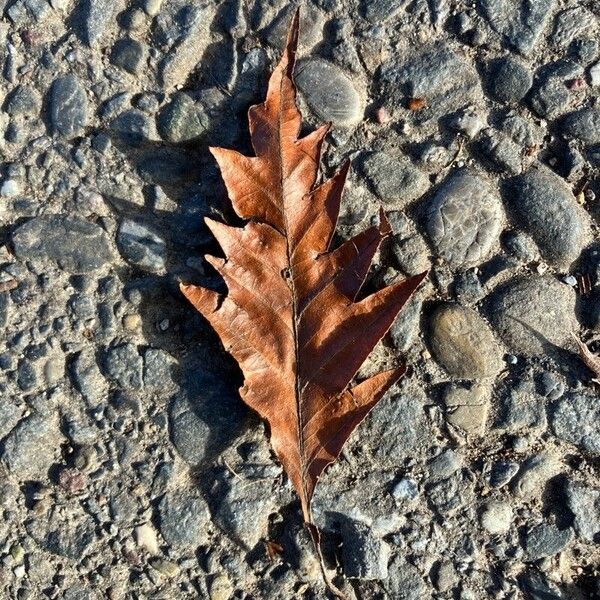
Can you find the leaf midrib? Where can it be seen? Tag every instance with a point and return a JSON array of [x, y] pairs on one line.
[[291, 280]]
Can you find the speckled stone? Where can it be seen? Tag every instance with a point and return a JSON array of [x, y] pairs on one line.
[[519, 23], [583, 125], [576, 419], [76, 245], [68, 106]]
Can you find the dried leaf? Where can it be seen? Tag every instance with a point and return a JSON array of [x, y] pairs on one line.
[[290, 317], [591, 361], [274, 550]]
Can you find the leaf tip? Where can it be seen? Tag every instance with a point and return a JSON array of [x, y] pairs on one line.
[[291, 45], [384, 225]]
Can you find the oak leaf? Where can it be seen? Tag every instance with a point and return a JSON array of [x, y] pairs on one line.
[[290, 317]]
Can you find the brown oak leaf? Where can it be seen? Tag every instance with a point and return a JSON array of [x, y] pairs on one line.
[[290, 317]]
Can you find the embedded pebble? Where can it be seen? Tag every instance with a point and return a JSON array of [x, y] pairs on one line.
[[183, 520], [10, 188], [329, 92], [583, 125], [394, 179], [546, 207], [576, 419], [32, 447], [365, 555], [99, 17], [496, 517], [436, 74], [68, 106], [463, 343], [128, 54], [525, 311], [510, 80], [520, 24], [467, 408], [584, 502], [123, 364], [464, 219], [141, 245], [182, 120], [546, 540]]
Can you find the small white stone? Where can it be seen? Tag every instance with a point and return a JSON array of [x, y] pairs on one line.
[[497, 517], [570, 280], [595, 74], [9, 188], [19, 571], [406, 489], [145, 537], [152, 7]]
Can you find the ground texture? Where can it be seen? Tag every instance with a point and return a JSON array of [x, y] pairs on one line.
[[129, 468]]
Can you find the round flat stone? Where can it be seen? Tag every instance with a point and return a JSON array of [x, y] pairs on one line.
[[393, 178], [543, 205], [533, 314], [182, 120], [464, 219], [463, 344], [329, 92], [128, 54], [76, 245]]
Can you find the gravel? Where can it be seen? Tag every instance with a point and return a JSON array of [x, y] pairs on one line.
[[130, 466]]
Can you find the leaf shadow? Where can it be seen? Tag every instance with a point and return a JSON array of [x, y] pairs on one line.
[[207, 379]]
